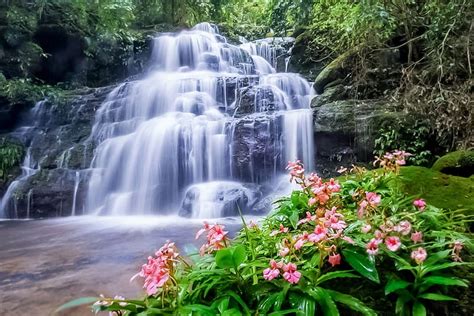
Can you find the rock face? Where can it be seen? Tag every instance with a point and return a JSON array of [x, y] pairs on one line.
[[256, 147], [57, 152], [345, 130]]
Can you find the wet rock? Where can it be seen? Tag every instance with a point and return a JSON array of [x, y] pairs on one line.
[[256, 147], [48, 193], [345, 130], [219, 199], [256, 99]]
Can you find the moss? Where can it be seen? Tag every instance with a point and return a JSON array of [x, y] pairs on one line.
[[438, 189], [459, 163]]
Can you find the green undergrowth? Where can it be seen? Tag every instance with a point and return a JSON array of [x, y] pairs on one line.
[[438, 189]]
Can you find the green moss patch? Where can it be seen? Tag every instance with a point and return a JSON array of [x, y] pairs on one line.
[[438, 189], [459, 163]]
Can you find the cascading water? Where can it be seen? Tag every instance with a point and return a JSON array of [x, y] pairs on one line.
[[29, 166], [209, 119]]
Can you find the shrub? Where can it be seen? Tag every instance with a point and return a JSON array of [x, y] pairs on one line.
[[10, 156], [304, 256]]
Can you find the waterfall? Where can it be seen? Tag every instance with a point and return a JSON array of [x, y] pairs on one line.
[[29, 166], [208, 123], [77, 180]]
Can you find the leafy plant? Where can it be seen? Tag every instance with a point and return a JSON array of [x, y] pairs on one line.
[[10, 156], [322, 236]]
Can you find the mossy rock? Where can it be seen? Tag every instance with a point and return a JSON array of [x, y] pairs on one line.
[[438, 189], [458, 163], [338, 69]]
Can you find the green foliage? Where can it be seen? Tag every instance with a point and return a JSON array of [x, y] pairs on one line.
[[440, 190], [414, 292], [10, 156], [412, 135], [25, 92], [236, 278]]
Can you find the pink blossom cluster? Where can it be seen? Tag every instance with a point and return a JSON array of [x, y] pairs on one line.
[[158, 270], [419, 204], [320, 191], [392, 160], [390, 235], [327, 230], [371, 200], [289, 271], [216, 238]]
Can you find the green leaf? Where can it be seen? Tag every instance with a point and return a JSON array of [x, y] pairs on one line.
[[442, 266], [351, 302], [231, 312], [228, 258], [202, 309], [394, 285], [239, 255], [441, 280], [362, 264], [436, 297], [224, 258], [433, 258], [294, 218], [239, 300], [306, 305], [265, 305], [324, 300], [77, 302], [335, 275], [401, 304], [419, 309], [285, 312]]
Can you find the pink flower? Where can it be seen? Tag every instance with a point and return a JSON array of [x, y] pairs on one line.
[[393, 243], [334, 259], [333, 186], [309, 218], [366, 228], [157, 270], [216, 238], [333, 219], [373, 198], [417, 237], [282, 229], [420, 204], [296, 169], [378, 234], [372, 247], [301, 241], [272, 272], [321, 194], [290, 274], [284, 251], [318, 234], [419, 255], [404, 228]]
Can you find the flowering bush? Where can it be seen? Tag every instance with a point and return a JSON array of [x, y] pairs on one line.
[[303, 257]]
